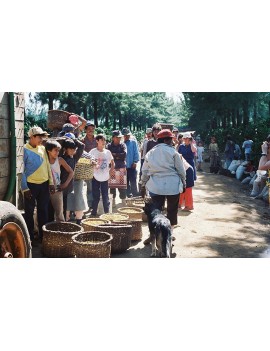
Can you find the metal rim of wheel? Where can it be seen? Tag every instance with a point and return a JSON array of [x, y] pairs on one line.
[[12, 242]]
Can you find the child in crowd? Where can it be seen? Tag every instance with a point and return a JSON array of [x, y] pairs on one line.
[[200, 151], [119, 152], [72, 151], [102, 171], [53, 147], [37, 182]]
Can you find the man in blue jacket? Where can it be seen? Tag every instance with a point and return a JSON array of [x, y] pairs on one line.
[[131, 163]]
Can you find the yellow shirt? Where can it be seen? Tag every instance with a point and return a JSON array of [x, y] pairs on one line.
[[37, 168]]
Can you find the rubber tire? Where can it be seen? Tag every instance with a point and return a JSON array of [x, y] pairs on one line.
[[9, 213]]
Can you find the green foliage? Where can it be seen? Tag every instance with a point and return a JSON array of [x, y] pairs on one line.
[[136, 111]]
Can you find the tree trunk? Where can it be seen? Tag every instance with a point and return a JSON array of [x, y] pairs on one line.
[[107, 119], [245, 113], [85, 111], [95, 105], [114, 122], [120, 120], [238, 118], [51, 102], [234, 121]]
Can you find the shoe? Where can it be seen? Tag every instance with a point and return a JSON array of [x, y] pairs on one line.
[[147, 241], [188, 209], [173, 238], [253, 195]]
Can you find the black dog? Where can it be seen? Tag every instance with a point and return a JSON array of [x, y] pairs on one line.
[[160, 231]]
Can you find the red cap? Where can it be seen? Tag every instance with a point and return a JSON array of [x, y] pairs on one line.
[[165, 133], [73, 119]]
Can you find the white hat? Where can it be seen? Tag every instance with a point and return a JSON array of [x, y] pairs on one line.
[[187, 135], [36, 131], [148, 130]]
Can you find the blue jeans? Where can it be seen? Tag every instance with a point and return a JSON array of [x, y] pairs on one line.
[[132, 189], [89, 193], [40, 197], [96, 188]]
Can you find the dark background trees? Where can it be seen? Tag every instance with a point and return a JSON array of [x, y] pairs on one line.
[[209, 113], [109, 110]]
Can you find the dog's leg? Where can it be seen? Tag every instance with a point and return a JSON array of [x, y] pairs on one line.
[[154, 248], [159, 244], [153, 243]]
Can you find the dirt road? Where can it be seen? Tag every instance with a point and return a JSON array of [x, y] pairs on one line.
[[226, 222]]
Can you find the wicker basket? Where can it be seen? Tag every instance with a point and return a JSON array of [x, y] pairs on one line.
[[89, 224], [92, 245], [136, 232], [56, 119], [141, 206], [57, 240], [132, 212], [113, 217], [130, 201], [121, 234], [83, 170]]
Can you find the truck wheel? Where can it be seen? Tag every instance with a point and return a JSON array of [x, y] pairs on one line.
[[14, 236]]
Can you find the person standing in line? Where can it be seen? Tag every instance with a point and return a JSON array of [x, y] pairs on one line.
[[90, 143], [103, 168], [131, 163], [164, 176], [37, 182], [72, 151], [237, 152], [143, 148], [214, 157], [119, 152], [188, 151], [200, 151], [153, 142], [247, 146], [179, 141], [53, 147], [186, 198], [229, 150], [175, 138]]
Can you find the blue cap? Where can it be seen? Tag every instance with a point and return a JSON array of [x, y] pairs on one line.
[[70, 135]]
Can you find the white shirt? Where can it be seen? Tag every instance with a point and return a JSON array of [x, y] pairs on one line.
[[163, 170], [103, 159]]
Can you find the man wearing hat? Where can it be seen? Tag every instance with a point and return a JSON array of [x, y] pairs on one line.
[[131, 163], [90, 143], [119, 152], [164, 175], [37, 182]]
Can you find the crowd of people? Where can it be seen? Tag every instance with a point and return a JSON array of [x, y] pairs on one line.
[[239, 164], [163, 166]]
